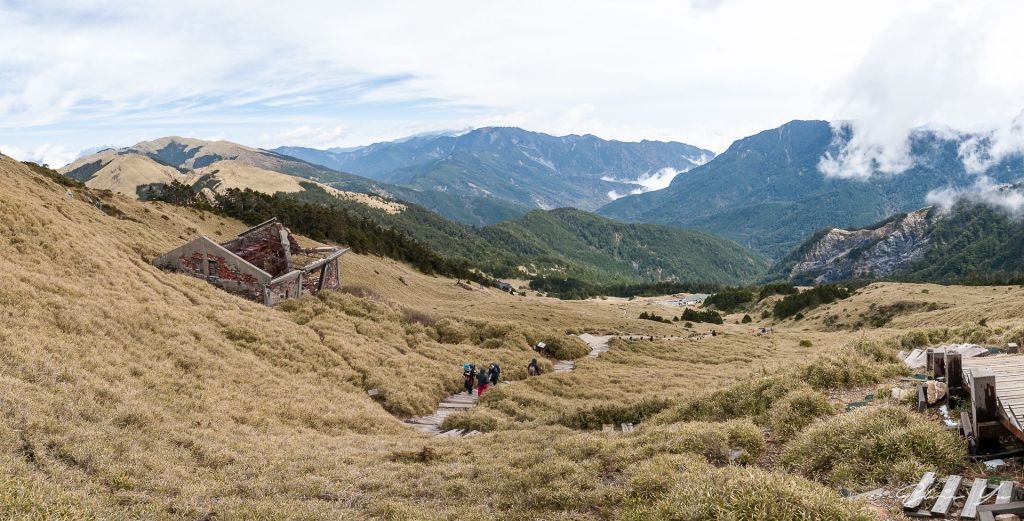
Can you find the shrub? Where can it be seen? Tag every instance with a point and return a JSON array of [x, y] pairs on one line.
[[475, 419], [565, 347], [746, 319], [795, 411], [874, 446], [793, 304], [710, 316], [710, 439], [729, 299], [651, 316], [681, 486], [805, 343], [780, 288], [595, 416], [450, 331], [745, 398], [849, 370]]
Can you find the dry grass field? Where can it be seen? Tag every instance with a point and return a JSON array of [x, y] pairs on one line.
[[131, 393]]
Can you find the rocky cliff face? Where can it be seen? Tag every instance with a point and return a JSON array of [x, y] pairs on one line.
[[872, 252]]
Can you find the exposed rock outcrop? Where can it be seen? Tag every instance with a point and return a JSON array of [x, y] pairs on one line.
[[880, 251]]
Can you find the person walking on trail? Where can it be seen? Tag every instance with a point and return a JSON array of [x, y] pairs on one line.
[[482, 381], [533, 369], [494, 373], [468, 374]]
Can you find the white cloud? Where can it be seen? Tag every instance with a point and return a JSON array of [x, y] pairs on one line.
[[940, 65], [314, 137], [46, 154], [704, 73], [654, 180], [985, 191]]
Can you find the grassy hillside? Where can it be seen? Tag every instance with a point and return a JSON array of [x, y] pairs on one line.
[[131, 170], [131, 393]]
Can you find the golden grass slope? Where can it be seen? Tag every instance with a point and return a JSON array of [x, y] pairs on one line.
[[124, 173], [132, 393]]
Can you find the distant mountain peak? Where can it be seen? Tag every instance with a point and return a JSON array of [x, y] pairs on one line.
[[520, 166]]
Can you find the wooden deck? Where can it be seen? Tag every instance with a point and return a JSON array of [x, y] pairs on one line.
[[1009, 373]]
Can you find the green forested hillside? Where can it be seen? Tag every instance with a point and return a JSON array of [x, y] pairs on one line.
[[766, 191], [975, 242], [565, 243], [628, 251], [970, 242]]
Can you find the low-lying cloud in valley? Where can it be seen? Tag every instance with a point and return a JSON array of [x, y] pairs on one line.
[[648, 182]]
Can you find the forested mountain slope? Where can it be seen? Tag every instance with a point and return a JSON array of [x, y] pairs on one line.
[[526, 168], [766, 191]]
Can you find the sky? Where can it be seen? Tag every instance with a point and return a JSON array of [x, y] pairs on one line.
[[89, 73]]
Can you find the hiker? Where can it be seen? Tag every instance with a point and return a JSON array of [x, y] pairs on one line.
[[467, 375], [714, 333], [533, 369], [482, 381], [494, 372]]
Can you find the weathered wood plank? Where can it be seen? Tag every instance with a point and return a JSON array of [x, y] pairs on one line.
[[970, 510], [1004, 493], [949, 490], [920, 492]]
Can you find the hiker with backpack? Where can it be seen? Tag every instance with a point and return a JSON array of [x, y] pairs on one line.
[[468, 374], [533, 369], [482, 381], [494, 373]]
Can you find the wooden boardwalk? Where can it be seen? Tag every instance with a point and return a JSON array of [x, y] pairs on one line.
[[431, 424], [1009, 373]]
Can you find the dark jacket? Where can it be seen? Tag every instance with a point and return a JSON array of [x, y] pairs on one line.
[[482, 378], [467, 377], [494, 373], [534, 367]]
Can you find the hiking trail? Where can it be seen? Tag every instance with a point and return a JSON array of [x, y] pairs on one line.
[[459, 402]]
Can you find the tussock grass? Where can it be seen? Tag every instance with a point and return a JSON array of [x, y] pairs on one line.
[[874, 446], [684, 487], [788, 401], [127, 392]]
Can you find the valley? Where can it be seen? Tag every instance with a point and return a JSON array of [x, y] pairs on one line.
[[132, 392]]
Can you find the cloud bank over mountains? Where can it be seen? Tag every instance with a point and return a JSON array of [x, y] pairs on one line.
[[944, 68]]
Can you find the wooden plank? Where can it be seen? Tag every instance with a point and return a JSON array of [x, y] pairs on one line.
[[983, 397], [970, 510], [1004, 493], [920, 492], [988, 512], [954, 371], [949, 490]]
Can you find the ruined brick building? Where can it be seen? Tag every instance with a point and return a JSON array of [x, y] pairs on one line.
[[263, 263]]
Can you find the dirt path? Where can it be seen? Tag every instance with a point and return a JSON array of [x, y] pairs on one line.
[[431, 424]]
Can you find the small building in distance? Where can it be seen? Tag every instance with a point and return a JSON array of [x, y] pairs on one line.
[[264, 263], [693, 299]]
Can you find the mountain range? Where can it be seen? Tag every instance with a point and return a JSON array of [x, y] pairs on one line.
[[529, 169], [564, 242], [766, 191], [219, 165]]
